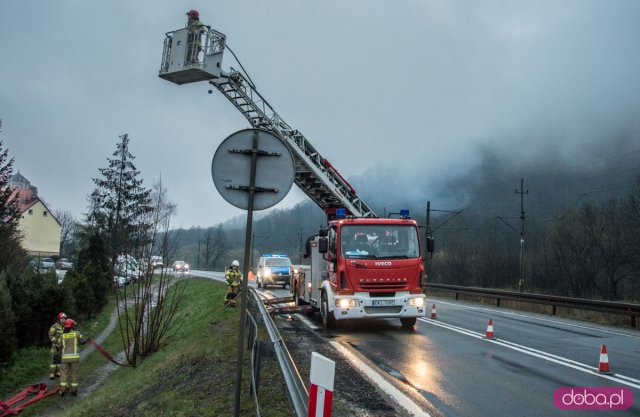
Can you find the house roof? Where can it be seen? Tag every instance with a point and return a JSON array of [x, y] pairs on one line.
[[27, 197]]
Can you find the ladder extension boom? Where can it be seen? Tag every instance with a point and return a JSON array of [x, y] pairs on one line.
[[314, 175]]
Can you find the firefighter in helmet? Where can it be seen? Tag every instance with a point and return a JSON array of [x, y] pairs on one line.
[[71, 338], [55, 336], [196, 29], [233, 277]]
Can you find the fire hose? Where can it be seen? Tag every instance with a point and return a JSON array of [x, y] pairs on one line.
[[38, 390], [104, 353], [17, 403]]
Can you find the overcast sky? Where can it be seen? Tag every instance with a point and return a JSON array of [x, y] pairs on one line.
[[399, 85]]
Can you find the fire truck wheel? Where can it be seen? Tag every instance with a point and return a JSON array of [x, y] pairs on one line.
[[408, 322], [328, 319]]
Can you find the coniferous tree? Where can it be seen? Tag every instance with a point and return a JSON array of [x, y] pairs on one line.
[[93, 263], [13, 256], [81, 294], [119, 202], [8, 341]]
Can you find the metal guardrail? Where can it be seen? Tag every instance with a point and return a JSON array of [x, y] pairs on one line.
[[296, 389], [628, 309]]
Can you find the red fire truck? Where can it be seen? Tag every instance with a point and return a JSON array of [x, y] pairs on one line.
[[364, 268], [361, 265]]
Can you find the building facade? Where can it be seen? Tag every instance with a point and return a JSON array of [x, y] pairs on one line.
[[39, 227]]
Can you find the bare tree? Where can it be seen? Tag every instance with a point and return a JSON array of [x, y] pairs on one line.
[[214, 246], [146, 309], [68, 223]]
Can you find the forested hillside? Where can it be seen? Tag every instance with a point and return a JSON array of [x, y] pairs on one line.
[[581, 220]]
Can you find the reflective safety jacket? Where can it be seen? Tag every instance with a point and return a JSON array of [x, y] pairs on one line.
[[195, 28], [55, 335], [233, 277], [70, 341]]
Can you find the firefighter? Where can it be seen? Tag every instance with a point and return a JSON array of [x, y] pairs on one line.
[[70, 357], [55, 336], [196, 29], [234, 278]]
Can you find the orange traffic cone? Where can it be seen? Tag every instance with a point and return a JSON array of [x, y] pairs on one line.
[[251, 276], [434, 315], [489, 334], [603, 366]]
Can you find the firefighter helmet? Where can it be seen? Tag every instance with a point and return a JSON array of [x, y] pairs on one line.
[[69, 324], [235, 263], [61, 316], [193, 14]]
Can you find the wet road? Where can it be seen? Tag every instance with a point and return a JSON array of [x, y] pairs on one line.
[[449, 368]]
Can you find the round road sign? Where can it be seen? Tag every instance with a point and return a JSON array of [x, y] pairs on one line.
[[274, 169]]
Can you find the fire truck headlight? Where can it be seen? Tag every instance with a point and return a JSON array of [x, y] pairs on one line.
[[416, 302], [345, 303]]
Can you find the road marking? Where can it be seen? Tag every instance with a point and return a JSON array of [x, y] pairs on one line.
[[539, 354], [307, 322], [404, 401], [508, 313]]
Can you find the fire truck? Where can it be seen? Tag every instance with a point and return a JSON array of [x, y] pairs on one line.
[[362, 266]]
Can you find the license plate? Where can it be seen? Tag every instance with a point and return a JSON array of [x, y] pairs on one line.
[[383, 303]]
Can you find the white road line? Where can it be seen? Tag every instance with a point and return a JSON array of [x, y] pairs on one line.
[[508, 313], [307, 322], [540, 354], [381, 382]]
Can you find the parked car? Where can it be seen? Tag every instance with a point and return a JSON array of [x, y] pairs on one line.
[[157, 262], [127, 266], [181, 266], [120, 281], [64, 263], [47, 263]]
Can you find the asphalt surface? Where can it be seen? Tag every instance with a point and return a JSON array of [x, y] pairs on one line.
[[447, 366]]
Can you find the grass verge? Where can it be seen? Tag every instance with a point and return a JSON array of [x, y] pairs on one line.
[[618, 320], [193, 374], [32, 363]]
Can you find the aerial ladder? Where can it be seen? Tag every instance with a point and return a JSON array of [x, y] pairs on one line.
[[314, 174]]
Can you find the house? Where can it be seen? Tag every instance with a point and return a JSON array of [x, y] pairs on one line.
[[39, 227]]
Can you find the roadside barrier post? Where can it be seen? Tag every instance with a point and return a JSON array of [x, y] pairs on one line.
[[321, 387]]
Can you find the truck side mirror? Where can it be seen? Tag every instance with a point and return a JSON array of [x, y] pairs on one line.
[[430, 244], [323, 244]]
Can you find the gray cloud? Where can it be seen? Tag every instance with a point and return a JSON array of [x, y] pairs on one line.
[[408, 86]]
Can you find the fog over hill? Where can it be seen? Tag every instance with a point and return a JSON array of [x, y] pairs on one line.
[[557, 177]]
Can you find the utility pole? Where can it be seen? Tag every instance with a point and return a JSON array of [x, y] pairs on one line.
[[198, 250], [522, 193], [300, 249]]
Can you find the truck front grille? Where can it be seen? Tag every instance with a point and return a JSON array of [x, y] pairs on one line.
[[387, 286], [383, 310]]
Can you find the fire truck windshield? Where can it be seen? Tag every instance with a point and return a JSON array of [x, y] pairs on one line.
[[379, 241]]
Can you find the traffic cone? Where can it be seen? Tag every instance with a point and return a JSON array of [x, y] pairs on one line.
[[603, 366], [489, 334], [251, 276], [434, 315]]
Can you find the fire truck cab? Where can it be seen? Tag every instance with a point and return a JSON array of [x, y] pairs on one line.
[[364, 268]]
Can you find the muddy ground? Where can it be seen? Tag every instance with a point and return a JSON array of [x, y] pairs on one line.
[[353, 394]]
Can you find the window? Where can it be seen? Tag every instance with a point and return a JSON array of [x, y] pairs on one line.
[[30, 212], [44, 213], [333, 249], [379, 241]]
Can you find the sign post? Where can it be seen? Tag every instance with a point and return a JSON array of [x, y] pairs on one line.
[[269, 170]]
